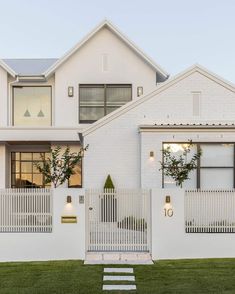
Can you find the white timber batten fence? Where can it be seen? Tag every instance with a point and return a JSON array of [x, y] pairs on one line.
[[26, 210], [210, 211], [118, 220]]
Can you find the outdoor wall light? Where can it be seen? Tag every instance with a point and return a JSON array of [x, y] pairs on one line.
[[140, 91], [151, 155], [69, 199], [168, 199], [70, 91]]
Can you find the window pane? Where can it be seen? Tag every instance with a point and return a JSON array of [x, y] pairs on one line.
[[110, 109], [177, 149], [26, 166], [26, 180], [15, 166], [217, 155], [118, 95], [76, 179], [26, 156], [91, 113], [216, 178], [191, 183], [92, 96], [38, 180], [32, 106]]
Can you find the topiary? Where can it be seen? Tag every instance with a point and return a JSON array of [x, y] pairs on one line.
[[109, 183]]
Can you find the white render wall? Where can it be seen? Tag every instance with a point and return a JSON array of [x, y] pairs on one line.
[[117, 148], [169, 240], [67, 241], [85, 67]]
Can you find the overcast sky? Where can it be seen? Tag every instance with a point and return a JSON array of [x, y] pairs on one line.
[[175, 33]]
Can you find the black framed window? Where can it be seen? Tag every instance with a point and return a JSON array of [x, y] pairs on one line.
[[96, 101], [32, 106], [24, 174], [215, 168]]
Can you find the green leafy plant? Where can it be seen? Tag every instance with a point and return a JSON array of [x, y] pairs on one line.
[[133, 223], [179, 167], [109, 183], [60, 166]]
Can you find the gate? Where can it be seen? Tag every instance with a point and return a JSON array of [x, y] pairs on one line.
[[118, 220]]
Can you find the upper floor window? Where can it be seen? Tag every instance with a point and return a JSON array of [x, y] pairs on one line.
[[32, 106], [97, 101]]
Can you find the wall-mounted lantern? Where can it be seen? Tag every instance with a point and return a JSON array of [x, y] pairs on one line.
[[151, 155], [140, 91], [69, 199], [168, 210], [70, 91]]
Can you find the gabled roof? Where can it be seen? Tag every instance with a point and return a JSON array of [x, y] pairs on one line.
[[30, 67], [7, 68], [162, 87], [163, 75]]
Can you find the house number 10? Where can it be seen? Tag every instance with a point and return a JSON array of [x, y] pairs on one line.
[[168, 212]]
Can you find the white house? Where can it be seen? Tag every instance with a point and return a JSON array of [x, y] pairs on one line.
[[107, 93]]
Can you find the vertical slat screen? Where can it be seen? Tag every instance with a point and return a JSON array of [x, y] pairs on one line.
[[26, 210], [210, 211], [118, 220]]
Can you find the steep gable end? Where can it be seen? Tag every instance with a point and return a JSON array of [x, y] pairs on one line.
[[162, 75]]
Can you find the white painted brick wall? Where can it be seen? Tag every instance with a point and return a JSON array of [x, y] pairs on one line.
[[115, 148]]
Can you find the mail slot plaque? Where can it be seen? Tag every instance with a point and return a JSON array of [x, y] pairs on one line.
[[68, 219]]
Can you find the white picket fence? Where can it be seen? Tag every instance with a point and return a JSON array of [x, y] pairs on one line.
[[210, 211], [25, 210], [118, 220]]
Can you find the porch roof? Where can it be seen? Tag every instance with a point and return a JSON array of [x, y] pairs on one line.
[[65, 134]]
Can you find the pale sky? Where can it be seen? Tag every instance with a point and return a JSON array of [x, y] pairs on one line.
[[175, 33]]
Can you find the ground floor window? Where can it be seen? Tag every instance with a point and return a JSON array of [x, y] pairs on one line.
[[215, 168], [24, 174]]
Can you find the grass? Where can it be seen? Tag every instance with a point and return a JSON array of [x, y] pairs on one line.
[[70, 277]]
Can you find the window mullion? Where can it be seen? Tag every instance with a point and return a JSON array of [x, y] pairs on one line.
[[105, 99]]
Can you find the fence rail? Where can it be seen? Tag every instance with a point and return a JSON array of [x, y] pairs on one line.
[[25, 210], [210, 211]]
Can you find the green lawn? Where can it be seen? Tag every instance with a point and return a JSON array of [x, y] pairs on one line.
[[70, 277]]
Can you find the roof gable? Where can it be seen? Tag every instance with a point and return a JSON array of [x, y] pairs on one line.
[[163, 75], [162, 87]]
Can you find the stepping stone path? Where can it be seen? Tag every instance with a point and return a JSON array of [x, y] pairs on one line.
[[116, 276]]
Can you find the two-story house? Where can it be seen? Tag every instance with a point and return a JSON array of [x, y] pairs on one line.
[[47, 102], [108, 91]]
